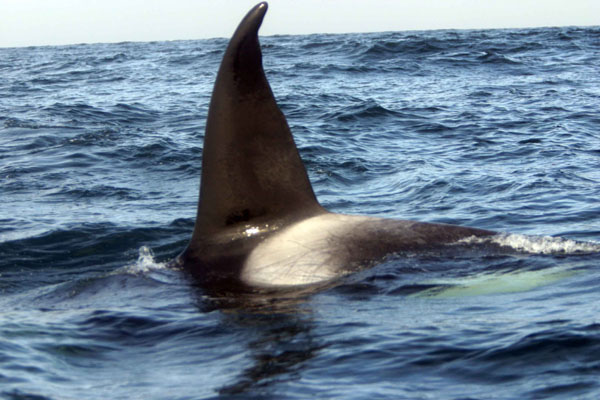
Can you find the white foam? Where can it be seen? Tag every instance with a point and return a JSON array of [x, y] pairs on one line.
[[144, 264], [538, 244]]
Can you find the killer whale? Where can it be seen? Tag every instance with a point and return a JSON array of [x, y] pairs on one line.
[[258, 221]]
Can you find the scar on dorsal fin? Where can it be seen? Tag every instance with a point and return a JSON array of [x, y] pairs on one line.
[[251, 169]]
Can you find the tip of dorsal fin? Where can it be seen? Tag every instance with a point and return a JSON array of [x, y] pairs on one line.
[[251, 169]]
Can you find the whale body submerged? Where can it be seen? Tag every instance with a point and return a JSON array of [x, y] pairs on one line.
[[258, 222]]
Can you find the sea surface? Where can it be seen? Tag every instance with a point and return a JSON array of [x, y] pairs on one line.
[[100, 158]]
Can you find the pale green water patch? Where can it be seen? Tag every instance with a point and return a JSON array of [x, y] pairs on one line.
[[495, 283]]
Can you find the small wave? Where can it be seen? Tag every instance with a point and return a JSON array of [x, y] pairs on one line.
[[491, 57], [419, 46], [362, 110], [96, 192], [144, 264], [147, 267], [538, 244], [20, 123], [185, 59], [115, 58], [119, 114]]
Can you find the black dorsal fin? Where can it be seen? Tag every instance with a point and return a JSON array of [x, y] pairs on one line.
[[251, 169]]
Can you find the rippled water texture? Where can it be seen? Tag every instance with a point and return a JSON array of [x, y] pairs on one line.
[[100, 150]]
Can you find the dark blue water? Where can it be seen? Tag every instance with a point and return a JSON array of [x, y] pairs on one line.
[[100, 150]]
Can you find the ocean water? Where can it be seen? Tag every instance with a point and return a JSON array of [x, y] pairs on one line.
[[100, 151]]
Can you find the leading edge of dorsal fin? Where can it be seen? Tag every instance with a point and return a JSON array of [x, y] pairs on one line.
[[251, 169]]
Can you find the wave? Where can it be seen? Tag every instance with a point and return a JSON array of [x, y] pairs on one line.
[[538, 244], [146, 263], [390, 47], [491, 57], [98, 246], [120, 113], [362, 110]]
